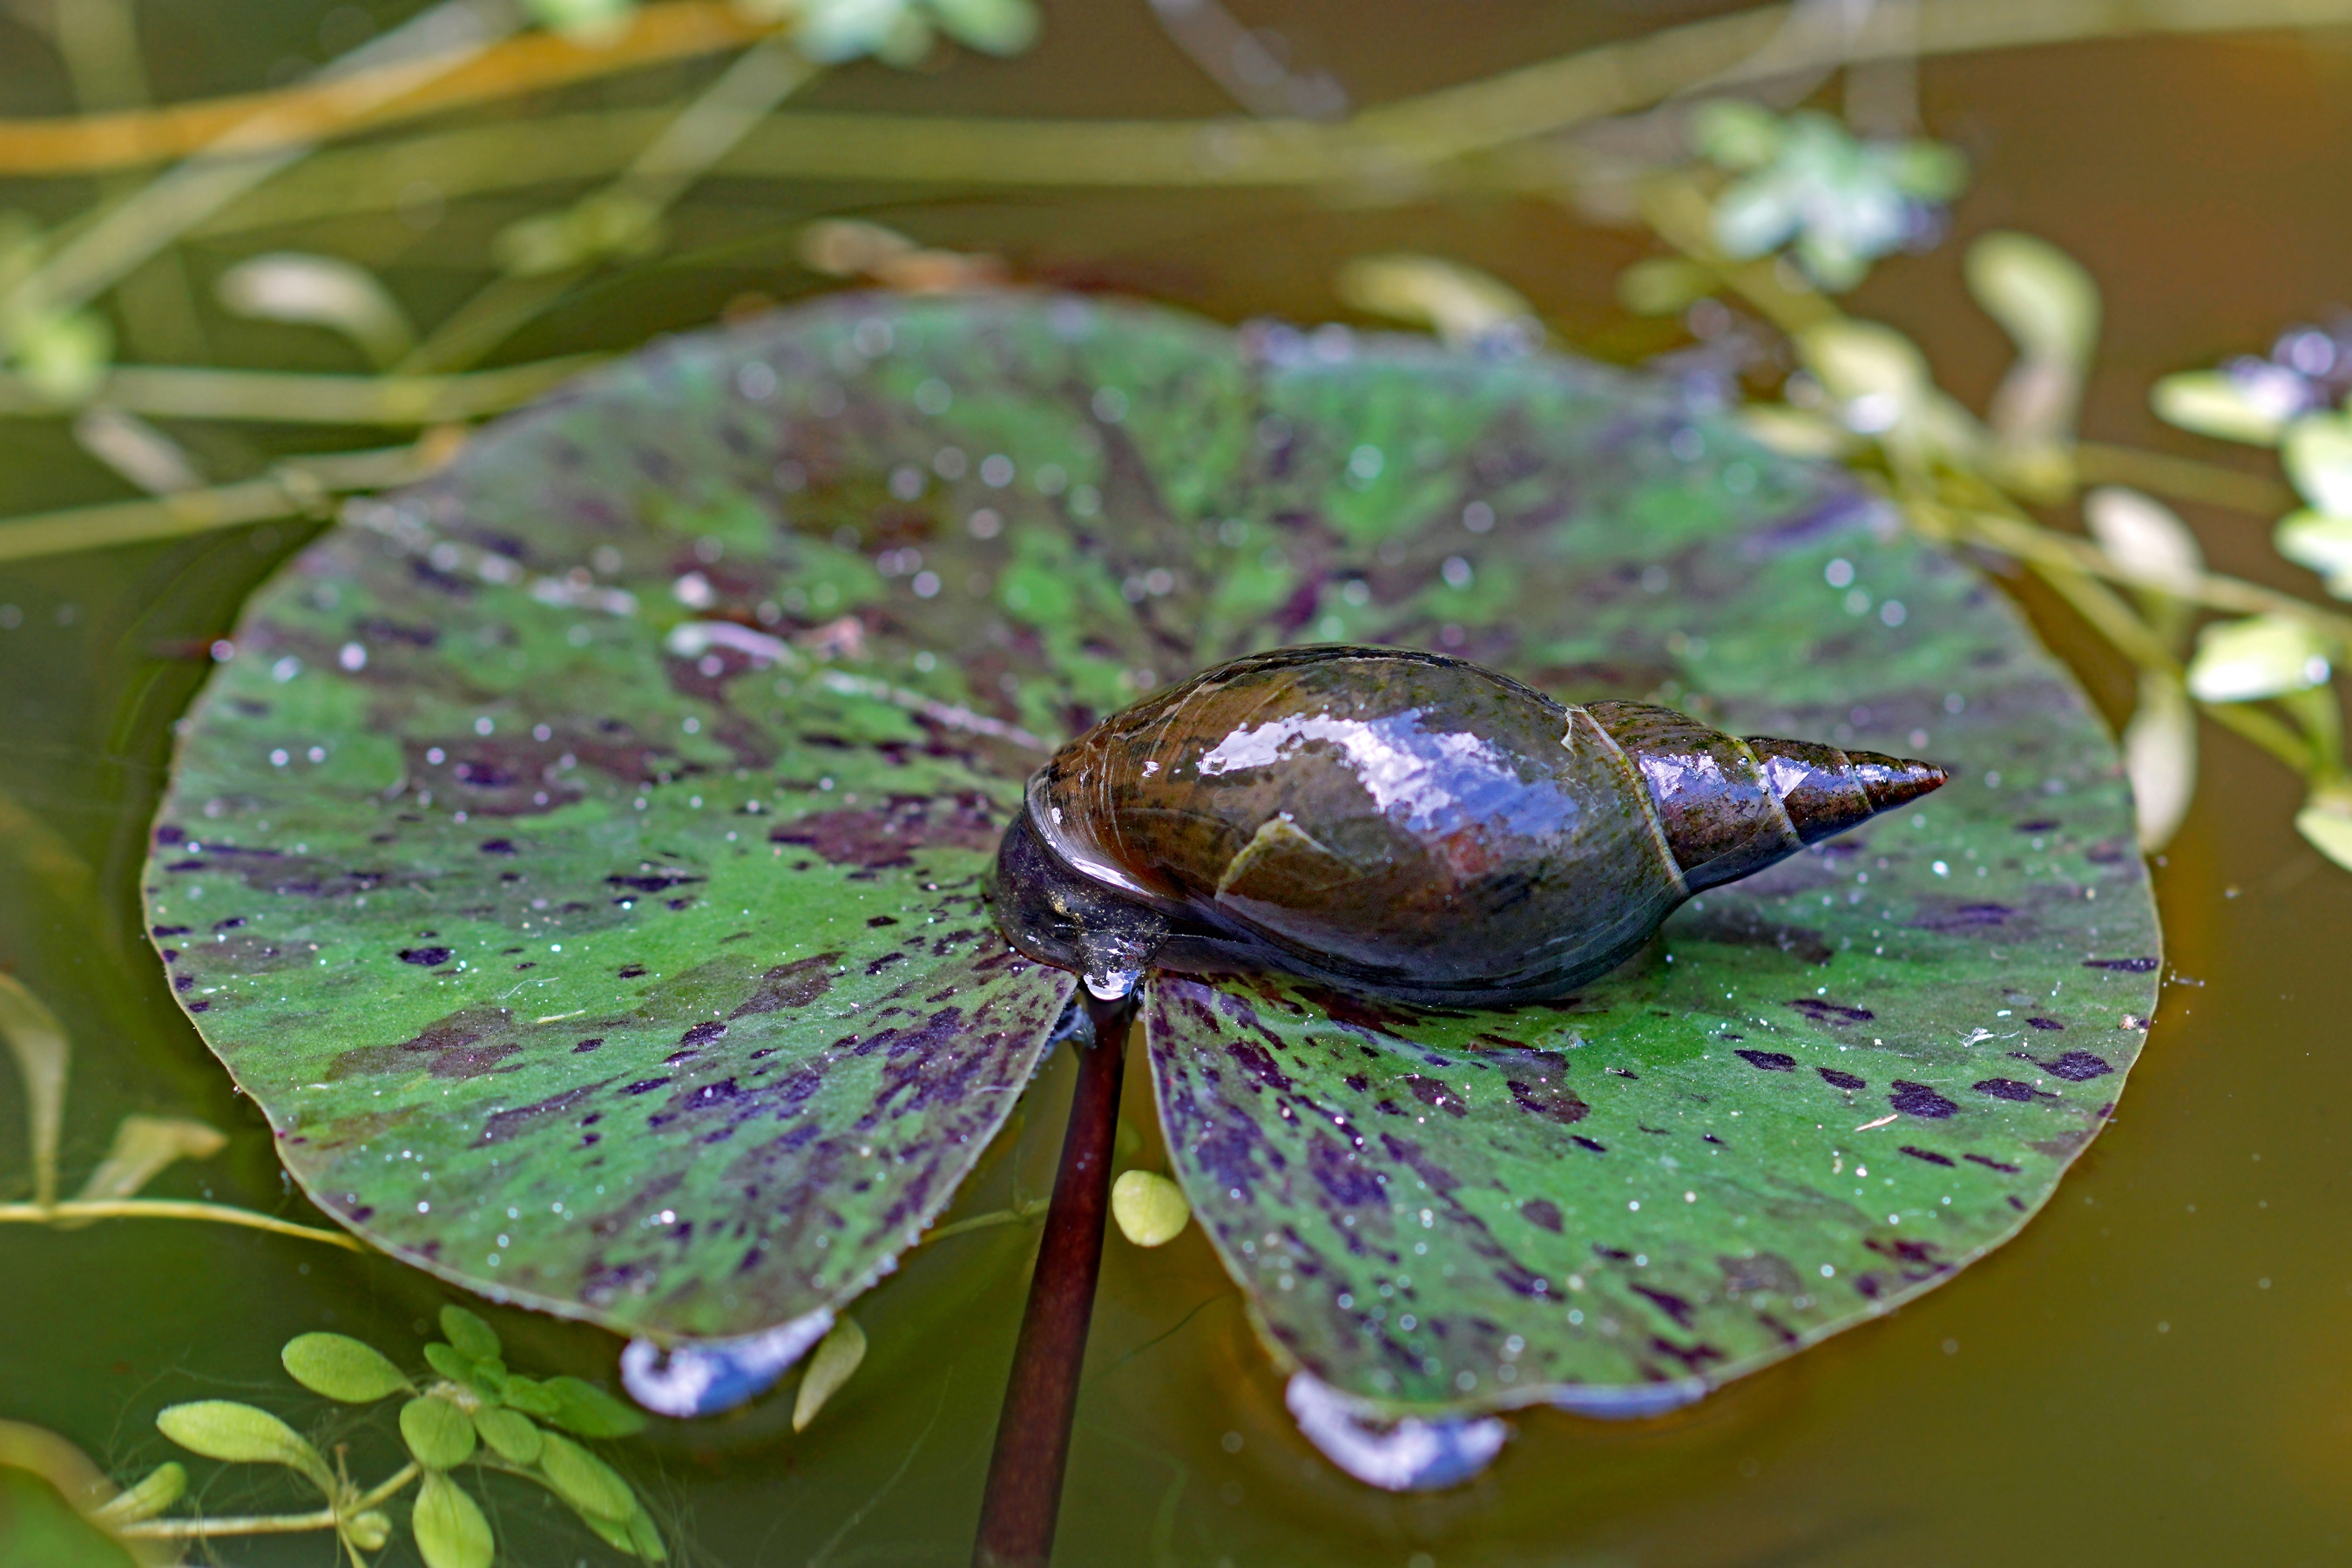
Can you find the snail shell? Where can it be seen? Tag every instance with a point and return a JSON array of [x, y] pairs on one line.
[[1402, 824]]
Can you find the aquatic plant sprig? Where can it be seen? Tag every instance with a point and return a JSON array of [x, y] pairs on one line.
[[1865, 393], [473, 1415], [143, 1146]]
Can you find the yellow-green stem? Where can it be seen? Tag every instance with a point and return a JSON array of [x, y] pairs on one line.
[[169, 1208]]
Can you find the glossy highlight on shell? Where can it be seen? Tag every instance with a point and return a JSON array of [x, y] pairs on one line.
[[1402, 824]]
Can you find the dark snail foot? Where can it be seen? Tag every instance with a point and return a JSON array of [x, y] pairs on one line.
[[1033, 1432]]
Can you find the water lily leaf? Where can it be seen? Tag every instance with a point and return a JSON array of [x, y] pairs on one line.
[[342, 1368], [579, 859]]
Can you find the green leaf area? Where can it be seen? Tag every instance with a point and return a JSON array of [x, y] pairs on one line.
[[580, 857]]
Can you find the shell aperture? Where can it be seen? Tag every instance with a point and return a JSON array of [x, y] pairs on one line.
[[1402, 824]]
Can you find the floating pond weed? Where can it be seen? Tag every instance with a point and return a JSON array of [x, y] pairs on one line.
[[458, 1431]]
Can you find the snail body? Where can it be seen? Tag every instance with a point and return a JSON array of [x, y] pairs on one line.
[[1402, 824]]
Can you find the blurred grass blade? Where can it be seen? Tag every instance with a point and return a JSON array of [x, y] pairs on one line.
[[2145, 537], [2160, 758], [1461, 305], [835, 1357], [2317, 452], [321, 292], [282, 397], [2326, 821], [44, 1058], [2042, 297], [993, 27], [2322, 542], [2260, 656], [293, 488], [136, 450], [592, 24], [102, 252], [144, 1145], [2213, 403]]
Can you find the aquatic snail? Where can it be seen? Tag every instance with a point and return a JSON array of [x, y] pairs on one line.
[[1403, 826]]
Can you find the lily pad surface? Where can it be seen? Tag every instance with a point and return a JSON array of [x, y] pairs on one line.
[[579, 859]]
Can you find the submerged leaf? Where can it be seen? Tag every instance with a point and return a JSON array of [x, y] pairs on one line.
[[1461, 305], [43, 1056], [224, 1429], [2042, 296], [736, 659], [510, 1434], [583, 1480], [2317, 452], [437, 1433], [143, 1146], [450, 1529], [2214, 403], [2145, 538], [467, 1334], [835, 1357], [2260, 656], [320, 291], [2326, 822], [581, 1407], [2160, 758], [342, 1368], [2322, 542], [157, 1491]]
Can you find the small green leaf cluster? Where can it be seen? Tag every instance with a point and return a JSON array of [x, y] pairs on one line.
[[2293, 401], [474, 1412], [901, 32], [1865, 393], [1836, 202]]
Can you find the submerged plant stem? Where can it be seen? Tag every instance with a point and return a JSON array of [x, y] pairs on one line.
[[291, 490], [169, 1208], [319, 109], [267, 1523], [1014, 1215], [1033, 1432]]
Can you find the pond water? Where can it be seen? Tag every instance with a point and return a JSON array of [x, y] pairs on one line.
[[2159, 1370]]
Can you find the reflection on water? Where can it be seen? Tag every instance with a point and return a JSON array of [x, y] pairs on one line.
[[2159, 1370]]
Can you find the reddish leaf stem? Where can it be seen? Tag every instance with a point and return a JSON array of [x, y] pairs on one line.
[[1032, 1433]]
